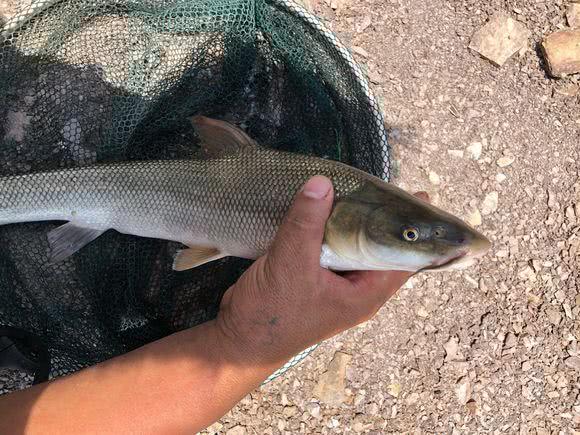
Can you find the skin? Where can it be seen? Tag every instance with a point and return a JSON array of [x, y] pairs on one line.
[[283, 304]]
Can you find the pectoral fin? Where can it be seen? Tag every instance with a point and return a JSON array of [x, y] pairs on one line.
[[68, 239], [195, 256], [220, 138]]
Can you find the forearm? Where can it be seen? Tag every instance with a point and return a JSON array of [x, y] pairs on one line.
[[179, 384]]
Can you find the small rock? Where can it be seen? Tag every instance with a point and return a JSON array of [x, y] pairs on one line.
[[412, 399], [313, 409], [422, 312], [360, 51], [573, 362], [560, 295], [567, 89], [553, 394], [562, 52], [215, 428], [474, 150], [500, 178], [510, 341], [573, 15], [526, 366], [500, 39], [474, 218], [289, 411], [434, 178], [552, 203], [451, 349], [505, 161], [364, 24], [455, 153], [463, 390], [570, 213], [236, 430], [394, 390], [490, 203], [331, 385], [554, 315]]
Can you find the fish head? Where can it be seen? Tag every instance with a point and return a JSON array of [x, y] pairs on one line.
[[385, 228]]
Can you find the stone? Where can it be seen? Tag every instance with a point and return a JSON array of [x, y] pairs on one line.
[[573, 15], [330, 388], [434, 178], [505, 161], [474, 150], [463, 390], [473, 218], [500, 39], [394, 390], [573, 362], [490, 203], [313, 409], [500, 178], [360, 51], [215, 428], [237, 430], [452, 349], [554, 315], [561, 50]]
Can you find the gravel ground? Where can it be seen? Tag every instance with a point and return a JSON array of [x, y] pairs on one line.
[[491, 350], [494, 349]]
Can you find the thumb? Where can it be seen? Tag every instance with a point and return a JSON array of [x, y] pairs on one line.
[[302, 231]]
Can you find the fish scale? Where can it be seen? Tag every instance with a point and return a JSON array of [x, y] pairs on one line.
[[236, 203]]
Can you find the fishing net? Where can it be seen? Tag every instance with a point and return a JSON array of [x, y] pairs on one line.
[[84, 81]]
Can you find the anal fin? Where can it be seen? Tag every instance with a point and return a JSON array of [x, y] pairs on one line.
[[195, 256], [68, 239]]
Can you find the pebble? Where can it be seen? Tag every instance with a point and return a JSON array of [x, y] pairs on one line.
[[313, 409], [560, 295], [474, 218], [505, 161], [526, 366], [330, 388], [474, 150], [463, 390], [490, 203], [237, 430], [554, 315], [360, 51], [434, 178], [500, 39], [500, 178], [451, 349], [394, 390], [573, 362], [573, 15]]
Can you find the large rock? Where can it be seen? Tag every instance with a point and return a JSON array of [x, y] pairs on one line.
[[562, 52], [500, 39], [331, 386]]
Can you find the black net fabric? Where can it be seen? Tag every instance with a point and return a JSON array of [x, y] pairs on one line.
[[83, 82]]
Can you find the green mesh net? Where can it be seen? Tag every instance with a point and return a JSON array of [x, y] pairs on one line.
[[85, 81]]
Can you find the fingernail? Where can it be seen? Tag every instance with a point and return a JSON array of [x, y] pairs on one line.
[[317, 187]]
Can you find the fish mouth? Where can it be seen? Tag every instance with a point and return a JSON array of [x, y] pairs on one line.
[[464, 258]]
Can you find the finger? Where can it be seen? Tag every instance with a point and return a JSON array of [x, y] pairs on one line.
[[423, 196], [302, 230]]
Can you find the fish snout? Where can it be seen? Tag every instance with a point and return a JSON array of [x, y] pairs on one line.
[[479, 246]]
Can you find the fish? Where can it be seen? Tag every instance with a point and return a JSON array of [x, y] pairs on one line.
[[232, 201]]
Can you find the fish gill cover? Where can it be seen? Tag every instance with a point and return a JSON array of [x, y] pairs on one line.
[[83, 82]]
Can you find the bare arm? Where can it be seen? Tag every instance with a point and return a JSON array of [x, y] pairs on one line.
[[283, 304]]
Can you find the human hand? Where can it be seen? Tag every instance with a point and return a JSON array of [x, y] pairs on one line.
[[286, 302]]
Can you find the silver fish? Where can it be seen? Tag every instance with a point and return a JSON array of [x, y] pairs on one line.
[[232, 203]]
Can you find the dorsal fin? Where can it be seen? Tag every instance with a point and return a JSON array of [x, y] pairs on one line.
[[220, 138]]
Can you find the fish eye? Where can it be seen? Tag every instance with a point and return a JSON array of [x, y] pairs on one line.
[[411, 234]]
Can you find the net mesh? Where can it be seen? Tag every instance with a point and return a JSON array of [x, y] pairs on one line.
[[84, 82]]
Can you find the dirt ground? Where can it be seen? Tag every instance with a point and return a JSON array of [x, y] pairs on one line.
[[488, 350], [492, 349]]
